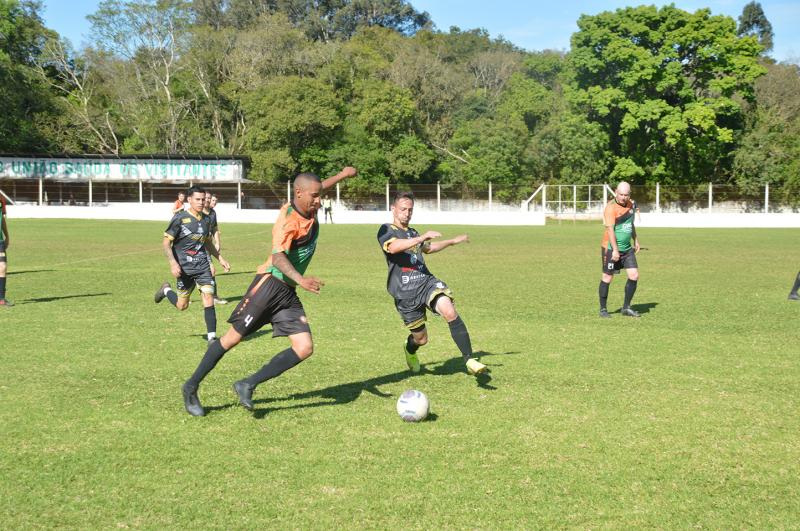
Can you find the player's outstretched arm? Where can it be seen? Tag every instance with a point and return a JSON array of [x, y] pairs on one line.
[[346, 173], [435, 247], [281, 261], [404, 244]]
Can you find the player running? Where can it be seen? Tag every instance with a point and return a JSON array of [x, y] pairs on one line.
[[414, 288], [208, 209], [619, 247], [4, 239], [187, 244], [272, 296]]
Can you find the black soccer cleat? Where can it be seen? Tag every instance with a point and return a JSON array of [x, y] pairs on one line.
[[794, 296], [630, 312], [245, 392], [191, 402], [159, 296], [604, 313]]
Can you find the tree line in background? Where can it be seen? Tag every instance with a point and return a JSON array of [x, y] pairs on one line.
[[645, 94]]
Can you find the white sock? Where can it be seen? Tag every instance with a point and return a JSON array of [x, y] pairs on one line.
[[212, 335], [167, 290]]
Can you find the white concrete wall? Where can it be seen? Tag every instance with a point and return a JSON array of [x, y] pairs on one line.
[[228, 213], [718, 220]]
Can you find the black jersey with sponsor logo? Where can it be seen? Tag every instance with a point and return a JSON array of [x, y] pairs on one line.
[[212, 224], [407, 270], [189, 235]]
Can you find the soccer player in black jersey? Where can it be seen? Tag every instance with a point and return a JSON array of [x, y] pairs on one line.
[[4, 239], [187, 245], [793, 296], [413, 286], [208, 209]]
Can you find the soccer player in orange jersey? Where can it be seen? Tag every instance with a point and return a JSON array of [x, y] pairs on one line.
[[619, 247], [179, 204], [272, 296]]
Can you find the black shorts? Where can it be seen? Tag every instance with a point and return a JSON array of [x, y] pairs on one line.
[[2, 250], [413, 310], [269, 300], [190, 278], [627, 260]]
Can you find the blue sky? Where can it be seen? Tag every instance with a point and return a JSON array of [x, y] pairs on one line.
[[529, 24]]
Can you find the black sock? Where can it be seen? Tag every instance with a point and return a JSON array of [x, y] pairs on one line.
[[603, 294], [211, 320], [460, 335], [3, 288], [794, 288], [630, 289], [280, 363], [410, 345], [213, 355], [172, 297]]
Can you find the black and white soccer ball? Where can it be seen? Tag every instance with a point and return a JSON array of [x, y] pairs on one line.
[[413, 406]]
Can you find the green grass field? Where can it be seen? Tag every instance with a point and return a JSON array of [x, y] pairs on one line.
[[687, 417]]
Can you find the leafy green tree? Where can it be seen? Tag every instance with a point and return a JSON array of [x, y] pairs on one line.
[[286, 119], [493, 151], [754, 22], [385, 110], [409, 160], [667, 88], [769, 152], [26, 102], [527, 99], [149, 37]]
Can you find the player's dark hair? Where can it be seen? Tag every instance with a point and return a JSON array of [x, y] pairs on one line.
[[195, 190], [403, 195], [306, 177]]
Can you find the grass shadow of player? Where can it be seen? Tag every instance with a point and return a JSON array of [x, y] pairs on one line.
[[234, 273], [351, 391], [30, 271], [642, 308], [51, 299], [250, 337]]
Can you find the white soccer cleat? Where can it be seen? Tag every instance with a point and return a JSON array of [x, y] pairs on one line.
[[474, 367]]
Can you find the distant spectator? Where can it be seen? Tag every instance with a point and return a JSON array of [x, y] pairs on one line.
[[178, 205], [327, 206]]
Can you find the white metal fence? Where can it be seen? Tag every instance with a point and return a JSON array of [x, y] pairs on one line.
[[575, 201]]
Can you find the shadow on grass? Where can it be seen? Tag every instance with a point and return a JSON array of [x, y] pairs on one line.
[[349, 392], [254, 335], [30, 271], [51, 299], [642, 308], [222, 274]]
